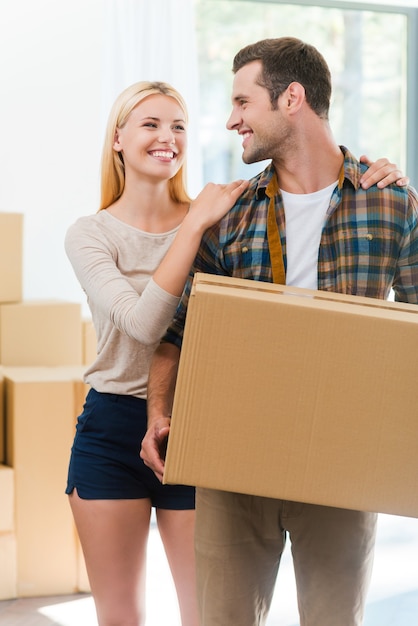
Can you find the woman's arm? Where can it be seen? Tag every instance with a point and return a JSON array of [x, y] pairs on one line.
[[213, 202]]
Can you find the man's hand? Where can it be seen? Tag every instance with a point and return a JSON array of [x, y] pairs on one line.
[[161, 384], [154, 446], [383, 173]]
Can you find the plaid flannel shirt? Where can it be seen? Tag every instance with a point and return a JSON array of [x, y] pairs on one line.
[[369, 242]]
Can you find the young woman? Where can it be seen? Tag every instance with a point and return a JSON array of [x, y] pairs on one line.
[[132, 259]]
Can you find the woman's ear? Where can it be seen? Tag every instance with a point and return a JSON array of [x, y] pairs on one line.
[[116, 143]]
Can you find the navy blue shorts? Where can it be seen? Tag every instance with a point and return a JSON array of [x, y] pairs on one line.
[[105, 462]]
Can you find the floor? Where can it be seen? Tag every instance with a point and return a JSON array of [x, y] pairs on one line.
[[392, 600]]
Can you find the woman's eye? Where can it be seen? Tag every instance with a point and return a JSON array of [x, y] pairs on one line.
[[151, 124], [179, 127]]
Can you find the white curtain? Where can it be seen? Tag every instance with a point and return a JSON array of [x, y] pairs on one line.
[[153, 40]]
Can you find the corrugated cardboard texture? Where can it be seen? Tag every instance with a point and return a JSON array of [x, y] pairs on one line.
[[296, 394]]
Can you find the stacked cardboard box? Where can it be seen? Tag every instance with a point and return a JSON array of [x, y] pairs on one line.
[[41, 407], [2, 451], [45, 333], [8, 554], [11, 257], [44, 348]]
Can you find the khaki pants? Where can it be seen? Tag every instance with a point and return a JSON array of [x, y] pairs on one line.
[[239, 543]]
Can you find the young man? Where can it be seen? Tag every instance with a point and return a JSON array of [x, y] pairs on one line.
[[334, 236]]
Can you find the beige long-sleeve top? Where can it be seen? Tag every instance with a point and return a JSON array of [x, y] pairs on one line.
[[114, 263]]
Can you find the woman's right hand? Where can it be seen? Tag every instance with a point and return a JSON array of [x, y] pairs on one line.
[[215, 200], [212, 203]]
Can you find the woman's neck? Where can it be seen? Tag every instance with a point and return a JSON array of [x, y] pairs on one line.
[[149, 208]]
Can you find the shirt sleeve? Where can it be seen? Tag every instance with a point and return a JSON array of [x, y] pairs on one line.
[[142, 316], [206, 261], [405, 284]]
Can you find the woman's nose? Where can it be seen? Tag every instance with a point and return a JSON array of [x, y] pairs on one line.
[[167, 137]]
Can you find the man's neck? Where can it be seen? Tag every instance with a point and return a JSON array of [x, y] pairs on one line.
[[313, 163]]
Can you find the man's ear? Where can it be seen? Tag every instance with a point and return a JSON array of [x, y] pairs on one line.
[[294, 96]]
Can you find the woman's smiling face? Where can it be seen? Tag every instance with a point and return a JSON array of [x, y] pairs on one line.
[[153, 140]]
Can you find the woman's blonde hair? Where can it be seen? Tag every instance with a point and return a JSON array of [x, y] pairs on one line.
[[113, 169]]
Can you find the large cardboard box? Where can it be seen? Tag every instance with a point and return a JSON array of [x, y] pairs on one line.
[[11, 256], [41, 333], [41, 408], [296, 394]]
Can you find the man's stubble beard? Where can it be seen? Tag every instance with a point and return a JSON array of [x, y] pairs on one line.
[[257, 153], [273, 148]]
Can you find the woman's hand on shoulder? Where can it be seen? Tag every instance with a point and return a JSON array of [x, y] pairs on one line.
[[382, 172], [215, 200]]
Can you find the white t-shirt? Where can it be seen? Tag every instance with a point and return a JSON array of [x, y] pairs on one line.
[[305, 215]]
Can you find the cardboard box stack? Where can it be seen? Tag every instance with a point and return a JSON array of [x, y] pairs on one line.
[[2, 451], [43, 356], [297, 394], [8, 553]]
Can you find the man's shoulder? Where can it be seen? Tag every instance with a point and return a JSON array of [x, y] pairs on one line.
[[255, 190], [404, 194]]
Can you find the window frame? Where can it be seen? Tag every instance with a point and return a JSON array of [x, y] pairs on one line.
[[411, 13]]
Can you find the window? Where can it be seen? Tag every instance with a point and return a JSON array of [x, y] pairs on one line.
[[367, 51]]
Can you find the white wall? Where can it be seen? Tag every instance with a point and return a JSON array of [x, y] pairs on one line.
[[50, 56], [61, 66]]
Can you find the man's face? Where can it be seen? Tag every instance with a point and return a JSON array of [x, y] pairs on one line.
[[264, 130]]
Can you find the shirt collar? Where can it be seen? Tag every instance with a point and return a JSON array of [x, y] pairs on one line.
[[265, 177], [351, 170]]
